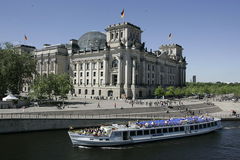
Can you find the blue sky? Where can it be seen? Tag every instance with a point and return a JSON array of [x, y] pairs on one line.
[[208, 30]]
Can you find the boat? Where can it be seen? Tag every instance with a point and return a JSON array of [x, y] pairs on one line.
[[143, 131]]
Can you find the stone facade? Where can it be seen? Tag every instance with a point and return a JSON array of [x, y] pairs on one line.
[[116, 65]]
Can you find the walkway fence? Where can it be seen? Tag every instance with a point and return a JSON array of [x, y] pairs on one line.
[[100, 116], [80, 116]]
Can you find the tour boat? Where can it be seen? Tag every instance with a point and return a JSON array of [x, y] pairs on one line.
[[144, 131]]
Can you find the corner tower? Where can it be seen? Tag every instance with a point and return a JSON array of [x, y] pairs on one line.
[[123, 34]]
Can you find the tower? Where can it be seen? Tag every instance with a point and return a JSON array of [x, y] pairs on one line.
[[123, 34]]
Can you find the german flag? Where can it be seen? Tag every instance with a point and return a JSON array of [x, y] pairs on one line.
[[122, 14], [25, 37]]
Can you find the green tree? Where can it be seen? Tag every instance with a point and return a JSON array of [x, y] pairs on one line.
[[15, 69], [159, 91], [170, 91]]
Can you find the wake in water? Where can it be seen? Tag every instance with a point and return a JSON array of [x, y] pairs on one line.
[[233, 127]]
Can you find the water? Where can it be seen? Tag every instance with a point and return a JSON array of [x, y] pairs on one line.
[[56, 145]]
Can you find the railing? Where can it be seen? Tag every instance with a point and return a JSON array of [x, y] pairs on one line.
[[80, 116]]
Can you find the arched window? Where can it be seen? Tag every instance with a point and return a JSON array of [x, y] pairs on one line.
[[115, 63]]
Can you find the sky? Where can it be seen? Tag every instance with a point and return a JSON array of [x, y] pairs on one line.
[[208, 30]]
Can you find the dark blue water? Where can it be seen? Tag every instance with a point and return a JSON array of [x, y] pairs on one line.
[[56, 145]]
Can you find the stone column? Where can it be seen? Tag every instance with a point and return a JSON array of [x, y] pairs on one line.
[[126, 73], [144, 72], [105, 65], [134, 72], [84, 73], [77, 73], [119, 80], [97, 74], [90, 74]]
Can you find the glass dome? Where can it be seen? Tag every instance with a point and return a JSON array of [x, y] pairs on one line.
[[92, 40]]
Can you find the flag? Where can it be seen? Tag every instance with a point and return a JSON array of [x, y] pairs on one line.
[[170, 36], [25, 37], [122, 14]]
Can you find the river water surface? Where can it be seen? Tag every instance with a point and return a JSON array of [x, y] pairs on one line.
[[56, 145]]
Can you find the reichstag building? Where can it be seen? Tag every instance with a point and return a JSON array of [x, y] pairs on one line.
[[114, 64]]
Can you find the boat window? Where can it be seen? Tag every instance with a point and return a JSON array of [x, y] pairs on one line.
[[116, 134], [165, 130], [196, 126], [191, 128], [200, 126], [139, 133], [215, 123], [208, 125], [107, 139], [212, 123], [176, 129], [146, 132], [152, 131], [100, 139], [181, 128], [91, 139], [132, 133], [205, 125], [170, 129], [159, 130]]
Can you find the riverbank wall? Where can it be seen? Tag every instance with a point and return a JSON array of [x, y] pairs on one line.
[[26, 125]]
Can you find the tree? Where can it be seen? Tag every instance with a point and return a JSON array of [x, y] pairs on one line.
[[170, 91], [159, 91], [15, 69]]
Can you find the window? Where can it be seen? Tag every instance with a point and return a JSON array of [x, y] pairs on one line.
[[181, 128], [87, 81], [94, 81], [146, 132], [200, 126], [81, 74], [114, 63], [165, 130], [79, 91], [208, 125], [86, 92], [81, 81], [75, 74], [132, 133], [99, 92], [159, 130], [101, 65], [116, 35], [153, 68], [111, 36], [196, 126], [92, 92], [176, 129], [152, 131], [87, 66], [94, 74], [148, 75], [87, 74], [101, 74], [152, 75], [205, 125], [101, 81], [75, 66], [139, 133], [170, 129], [81, 66], [75, 81], [148, 67], [191, 128], [121, 34], [94, 66]]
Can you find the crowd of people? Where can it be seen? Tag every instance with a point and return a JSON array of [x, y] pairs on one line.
[[91, 132]]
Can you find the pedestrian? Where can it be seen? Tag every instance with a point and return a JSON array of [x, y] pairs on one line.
[[115, 106], [98, 106]]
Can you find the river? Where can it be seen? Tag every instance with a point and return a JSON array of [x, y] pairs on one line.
[[56, 145]]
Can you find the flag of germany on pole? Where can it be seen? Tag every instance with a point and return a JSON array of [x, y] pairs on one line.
[[25, 37], [122, 14], [170, 36]]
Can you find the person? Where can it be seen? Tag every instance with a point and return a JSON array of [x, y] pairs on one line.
[[115, 106], [98, 106]]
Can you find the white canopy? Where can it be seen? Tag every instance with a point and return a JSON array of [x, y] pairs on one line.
[[10, 97]]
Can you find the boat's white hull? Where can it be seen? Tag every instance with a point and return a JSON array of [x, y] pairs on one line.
[[85, 141]]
